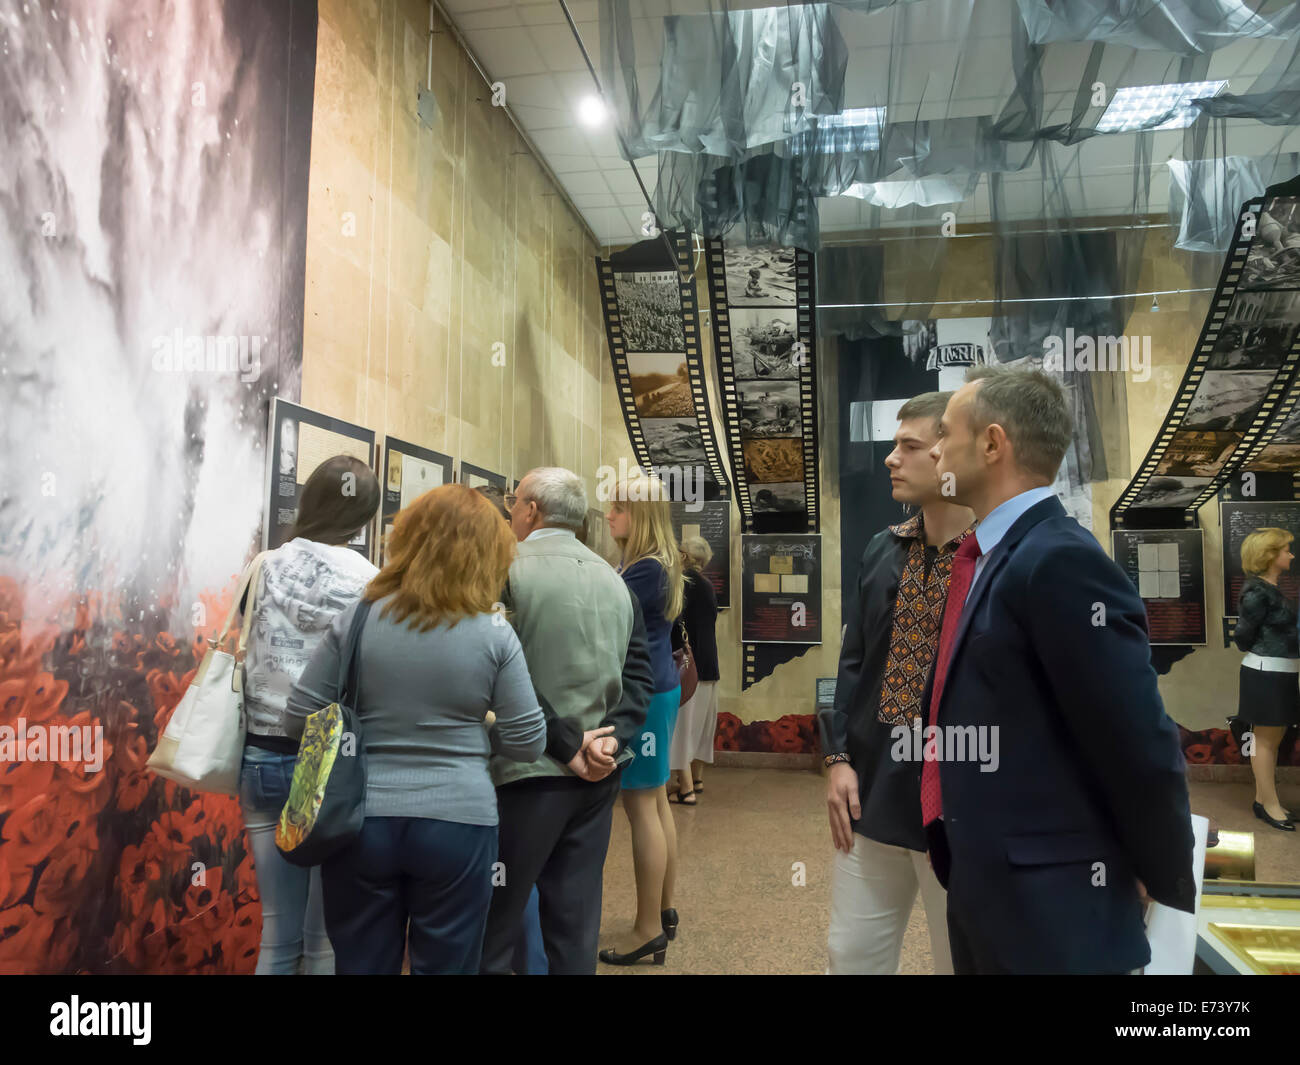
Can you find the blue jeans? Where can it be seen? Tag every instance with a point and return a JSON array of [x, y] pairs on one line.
[[530, 952], [412, 882], [293, 916]]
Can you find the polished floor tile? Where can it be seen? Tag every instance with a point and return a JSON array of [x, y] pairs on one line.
[[742, 909]]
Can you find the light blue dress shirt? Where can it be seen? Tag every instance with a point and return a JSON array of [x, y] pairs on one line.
[[990, 531]]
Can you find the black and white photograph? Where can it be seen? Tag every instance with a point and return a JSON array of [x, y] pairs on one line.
[[673, 441], [1274, 259], [650, 312], [761, 277], [661, 386], [769, 408], [920, 339], [1289, 431], [1227, 399], [762, 344], [1193, 454], [1170, 491], [784, 498], [1257, 332]]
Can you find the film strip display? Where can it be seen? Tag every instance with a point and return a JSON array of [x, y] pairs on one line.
[[652, 323], [1232, 407], [764, 345]]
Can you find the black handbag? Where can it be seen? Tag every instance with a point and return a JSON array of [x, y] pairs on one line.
[[326, 808]]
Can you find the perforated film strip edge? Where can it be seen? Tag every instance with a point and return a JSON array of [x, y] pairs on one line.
[[728, 399], [1229, 277], [683, 248]]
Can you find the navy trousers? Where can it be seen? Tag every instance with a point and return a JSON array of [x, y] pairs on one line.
[[410, 878]]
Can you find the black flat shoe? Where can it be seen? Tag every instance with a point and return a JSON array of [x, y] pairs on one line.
[[670, 922], [699, 786], [680, 799], [1263, 815], [657, 946]]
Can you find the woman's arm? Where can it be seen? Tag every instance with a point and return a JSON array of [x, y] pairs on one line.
[[1251, 611], [520, 729], [319, 684], [646, 578]]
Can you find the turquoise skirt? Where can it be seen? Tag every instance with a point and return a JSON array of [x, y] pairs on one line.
[[649, 769]]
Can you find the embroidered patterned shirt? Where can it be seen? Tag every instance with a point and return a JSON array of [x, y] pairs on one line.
[[918, 614]]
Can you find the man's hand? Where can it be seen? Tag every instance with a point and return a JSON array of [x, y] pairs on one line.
[[1145, 900], [591, 762], [601, 751], [842, 804]]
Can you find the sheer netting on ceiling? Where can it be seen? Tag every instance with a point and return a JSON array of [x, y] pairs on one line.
[[910, 107], [873, 130]]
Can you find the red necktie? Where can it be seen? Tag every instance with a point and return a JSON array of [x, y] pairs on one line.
[[963, 573]]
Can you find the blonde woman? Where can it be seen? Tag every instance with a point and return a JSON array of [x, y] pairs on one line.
[[697, 720], [641, 524], [1266, 631]]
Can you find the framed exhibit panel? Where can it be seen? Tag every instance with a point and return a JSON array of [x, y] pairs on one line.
[[301, 439], [712, 521], [478, 477], [1240, 518], [781, 576], [409, 472], [1167, 567]]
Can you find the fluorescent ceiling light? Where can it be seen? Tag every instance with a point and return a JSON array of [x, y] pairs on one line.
[[1133, 107], [591, 110], [860, 125]]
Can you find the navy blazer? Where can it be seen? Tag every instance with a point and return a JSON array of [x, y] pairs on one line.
[[1090, 793]]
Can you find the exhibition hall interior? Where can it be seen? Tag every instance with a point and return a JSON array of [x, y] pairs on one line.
[[649, 487]]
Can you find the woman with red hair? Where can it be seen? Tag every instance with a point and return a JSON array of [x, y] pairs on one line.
[[436, 655]]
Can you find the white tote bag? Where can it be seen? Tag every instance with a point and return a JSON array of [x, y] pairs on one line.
[[202, 747]]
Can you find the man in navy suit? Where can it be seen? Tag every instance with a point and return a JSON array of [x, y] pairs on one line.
[[1053, 786]]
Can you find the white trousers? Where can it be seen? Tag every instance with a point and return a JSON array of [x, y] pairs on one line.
[[873, 888]]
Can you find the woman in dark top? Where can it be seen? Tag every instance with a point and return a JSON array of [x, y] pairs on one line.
[[641, 523], [698, 717], [1266, 631]]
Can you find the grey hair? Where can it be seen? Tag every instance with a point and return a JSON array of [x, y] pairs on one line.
[[560, 495], [697, 549], [1031, 409]]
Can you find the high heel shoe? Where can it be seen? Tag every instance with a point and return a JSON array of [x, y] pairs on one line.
[[657, 946], [1263, 815], [670, 922]]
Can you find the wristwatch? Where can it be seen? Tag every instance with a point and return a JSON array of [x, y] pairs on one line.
[[831, 759]]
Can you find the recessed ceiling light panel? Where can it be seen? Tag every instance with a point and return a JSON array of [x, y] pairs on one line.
[[1133, 107]]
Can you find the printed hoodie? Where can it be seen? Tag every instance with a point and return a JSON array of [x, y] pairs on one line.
[[304, 586]]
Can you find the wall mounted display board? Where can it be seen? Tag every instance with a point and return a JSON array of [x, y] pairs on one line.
[[478, 477], [301, 439], [409, 472], [1238, 519], [652, 325], [1167, 567], [711, 520], [782, 588]]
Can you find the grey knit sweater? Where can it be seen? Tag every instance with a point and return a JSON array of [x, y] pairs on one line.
[[421, 703]]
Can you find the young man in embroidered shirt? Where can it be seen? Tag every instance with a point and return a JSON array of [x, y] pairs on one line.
[[890, 639]]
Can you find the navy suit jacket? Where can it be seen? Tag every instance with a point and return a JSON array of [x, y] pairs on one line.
[[1090, 793]]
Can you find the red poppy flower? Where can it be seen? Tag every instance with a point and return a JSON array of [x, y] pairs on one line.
[[23, 935], [1198, 753], [63, 881], [32, 831], [133, 789], [21, 782], [168, 839]]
